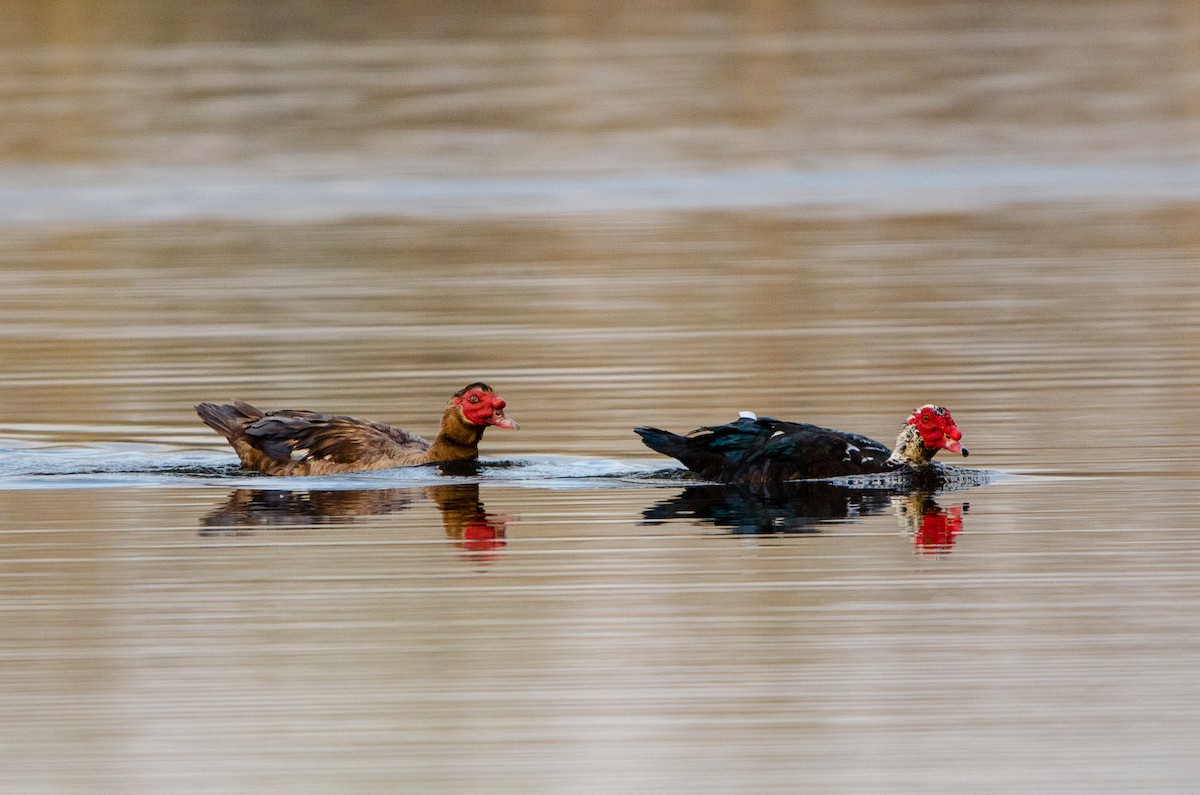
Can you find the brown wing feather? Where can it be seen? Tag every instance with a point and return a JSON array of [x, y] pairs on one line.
[[346, 440], [308, 437]]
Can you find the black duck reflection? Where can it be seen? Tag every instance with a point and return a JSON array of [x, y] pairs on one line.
[[477, 532], [808, 506]]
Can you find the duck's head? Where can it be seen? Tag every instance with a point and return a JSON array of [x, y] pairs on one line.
[[478, 404], [927, 430]]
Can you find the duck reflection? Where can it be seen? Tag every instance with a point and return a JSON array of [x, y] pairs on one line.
[[246, 509], [933, 529], [478, 533], [808, 506]]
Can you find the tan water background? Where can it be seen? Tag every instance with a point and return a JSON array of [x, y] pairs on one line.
[[616, 216]]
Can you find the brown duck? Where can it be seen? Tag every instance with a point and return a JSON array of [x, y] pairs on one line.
[[297, 442]]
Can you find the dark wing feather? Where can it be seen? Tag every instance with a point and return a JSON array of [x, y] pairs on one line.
[[761, 450], [717, 452], [795, 451]]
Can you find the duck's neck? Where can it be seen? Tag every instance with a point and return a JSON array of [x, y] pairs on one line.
[[910, 450], [457, 440]]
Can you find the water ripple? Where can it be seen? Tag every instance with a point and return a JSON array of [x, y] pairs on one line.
[[50, 196]]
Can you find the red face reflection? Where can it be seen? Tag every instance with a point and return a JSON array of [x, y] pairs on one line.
[[938, 531]]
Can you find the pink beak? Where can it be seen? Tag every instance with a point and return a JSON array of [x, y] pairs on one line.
[[951, 441], [500, 421]]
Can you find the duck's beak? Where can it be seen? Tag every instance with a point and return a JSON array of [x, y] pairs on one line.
[[952, 442], [500, 421]]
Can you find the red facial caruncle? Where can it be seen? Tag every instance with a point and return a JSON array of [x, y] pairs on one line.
[[483, 407], [937, 429]]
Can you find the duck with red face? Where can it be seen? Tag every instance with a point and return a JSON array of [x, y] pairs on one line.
[[481, 406], [927, 430], [299, 442], [765, 450]]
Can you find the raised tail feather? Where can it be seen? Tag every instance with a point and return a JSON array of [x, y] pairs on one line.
[[229, 420], [683, 449]]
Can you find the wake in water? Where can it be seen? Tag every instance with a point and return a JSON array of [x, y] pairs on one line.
[[115, 466], [259, 501], [125, 466]]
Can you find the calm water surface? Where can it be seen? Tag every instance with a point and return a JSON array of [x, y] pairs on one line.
[[826, 214]]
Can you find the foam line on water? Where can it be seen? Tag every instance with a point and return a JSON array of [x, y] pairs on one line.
[[98, 195]]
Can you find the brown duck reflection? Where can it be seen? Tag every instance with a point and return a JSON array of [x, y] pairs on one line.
[[477, 532], [807, 507]]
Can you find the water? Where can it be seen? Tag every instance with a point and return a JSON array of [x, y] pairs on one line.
[[642, 218]]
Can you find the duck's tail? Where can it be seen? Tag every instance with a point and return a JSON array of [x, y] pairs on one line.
[[229, 420], [685, 450]]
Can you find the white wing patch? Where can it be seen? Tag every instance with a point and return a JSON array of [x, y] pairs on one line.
[[299, 454], [747, 415], [850, 451]]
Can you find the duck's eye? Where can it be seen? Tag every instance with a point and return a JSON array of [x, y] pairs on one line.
[[473, 398]]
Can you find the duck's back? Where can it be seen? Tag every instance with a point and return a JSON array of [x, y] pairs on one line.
[[763, 450], [300, 442]]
